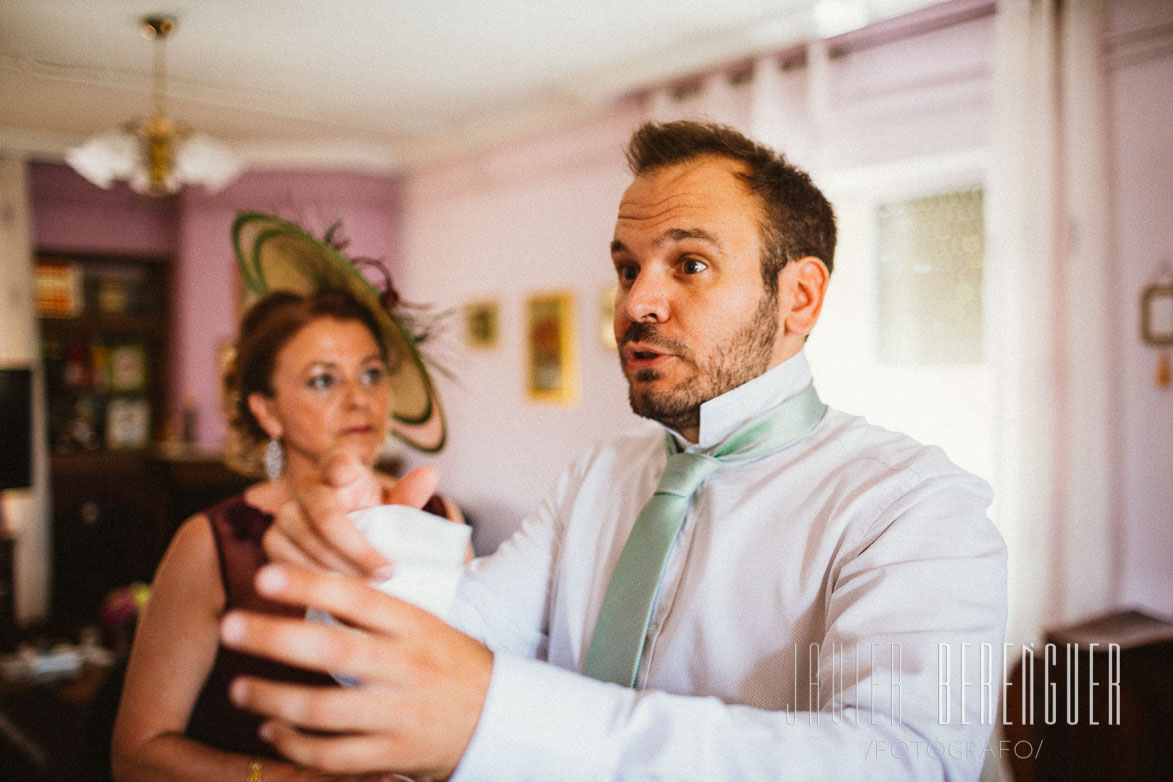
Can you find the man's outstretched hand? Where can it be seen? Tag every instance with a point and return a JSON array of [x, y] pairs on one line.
[[422, 683]]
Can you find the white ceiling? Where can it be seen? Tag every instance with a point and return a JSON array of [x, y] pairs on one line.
[[380, 84]]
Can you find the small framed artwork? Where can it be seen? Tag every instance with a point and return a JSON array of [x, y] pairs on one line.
[[128, 368], [607, 316], [1156, 322], [480, 324], [128, 423], [552, 373], [57, 287]]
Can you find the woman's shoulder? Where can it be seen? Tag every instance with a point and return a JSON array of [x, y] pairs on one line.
[[191, 553]]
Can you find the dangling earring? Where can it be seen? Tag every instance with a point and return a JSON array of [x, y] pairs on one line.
[[274, 459]]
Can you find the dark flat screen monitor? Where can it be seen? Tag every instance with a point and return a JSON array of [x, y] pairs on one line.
[[16, 427]]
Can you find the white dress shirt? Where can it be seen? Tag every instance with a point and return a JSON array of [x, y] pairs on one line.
[[820, 612]]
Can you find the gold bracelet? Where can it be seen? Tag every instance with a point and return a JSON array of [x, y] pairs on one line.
[[254, 770]]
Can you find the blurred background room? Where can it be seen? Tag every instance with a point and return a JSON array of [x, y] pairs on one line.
[[1002, 174]]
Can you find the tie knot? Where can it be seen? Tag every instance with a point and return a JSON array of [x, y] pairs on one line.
[[684, 472]]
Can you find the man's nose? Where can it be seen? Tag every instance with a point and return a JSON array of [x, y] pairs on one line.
[[647, 298]]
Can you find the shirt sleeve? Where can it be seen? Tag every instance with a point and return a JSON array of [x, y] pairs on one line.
[[909, 671], [502, 599]]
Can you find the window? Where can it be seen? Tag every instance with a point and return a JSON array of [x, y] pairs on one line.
[[929, 256]]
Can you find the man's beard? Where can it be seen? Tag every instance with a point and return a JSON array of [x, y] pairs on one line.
[[738, 360]]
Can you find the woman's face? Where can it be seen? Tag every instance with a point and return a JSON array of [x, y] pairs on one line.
[[329, 391]]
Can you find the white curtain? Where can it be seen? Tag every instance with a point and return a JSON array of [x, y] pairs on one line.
[[27, 511], [1048, 285]]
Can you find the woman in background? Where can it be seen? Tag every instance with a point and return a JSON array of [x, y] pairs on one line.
[[314, 372]]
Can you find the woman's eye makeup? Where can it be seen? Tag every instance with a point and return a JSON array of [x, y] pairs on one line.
[[373, 376], [327, 380], [322, 381]]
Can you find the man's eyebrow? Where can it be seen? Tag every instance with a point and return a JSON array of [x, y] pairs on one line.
[[681, 234], [674, 235]]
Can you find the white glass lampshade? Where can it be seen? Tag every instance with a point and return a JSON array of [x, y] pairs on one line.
[[186, 159], [103, 159], [201, 161]]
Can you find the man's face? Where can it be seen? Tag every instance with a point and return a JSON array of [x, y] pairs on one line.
[[692, 316]]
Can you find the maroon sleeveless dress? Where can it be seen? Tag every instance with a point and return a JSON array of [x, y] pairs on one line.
[[215, 721]]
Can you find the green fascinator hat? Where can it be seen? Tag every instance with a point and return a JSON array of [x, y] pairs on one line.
[[275, 254]]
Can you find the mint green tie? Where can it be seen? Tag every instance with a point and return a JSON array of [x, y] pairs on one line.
[[622, 628]]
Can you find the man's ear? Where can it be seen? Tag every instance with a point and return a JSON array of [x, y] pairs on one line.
[[262, 409], [805, 284]]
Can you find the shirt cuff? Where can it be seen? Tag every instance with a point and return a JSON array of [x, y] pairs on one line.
[[542, 722]]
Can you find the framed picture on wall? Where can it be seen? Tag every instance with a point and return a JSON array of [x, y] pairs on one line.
[[128, 423], [1157, 315], [57, 288], [551, 371], [480, 324], [128, 367]]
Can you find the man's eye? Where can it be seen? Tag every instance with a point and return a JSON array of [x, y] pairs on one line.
[[693, 266], [626, 273], [323, 381]]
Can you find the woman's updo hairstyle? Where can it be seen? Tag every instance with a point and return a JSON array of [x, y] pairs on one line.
[[266, 327]]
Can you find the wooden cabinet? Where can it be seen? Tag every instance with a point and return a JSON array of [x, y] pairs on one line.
[[104, 328], [114, 514], [104, 331], [1098, 708], [108, 529], [7, 591]]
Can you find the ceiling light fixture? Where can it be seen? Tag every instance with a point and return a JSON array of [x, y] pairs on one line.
[[155, 156]]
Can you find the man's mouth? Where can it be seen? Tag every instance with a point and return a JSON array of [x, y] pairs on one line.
[[643, 356]]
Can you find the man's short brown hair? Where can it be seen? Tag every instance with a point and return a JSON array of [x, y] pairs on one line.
[[797, 222]]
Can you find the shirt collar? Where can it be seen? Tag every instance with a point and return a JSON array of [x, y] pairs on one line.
[[723, 415]]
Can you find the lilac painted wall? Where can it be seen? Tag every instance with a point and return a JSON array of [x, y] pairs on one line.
[[71, 215]]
